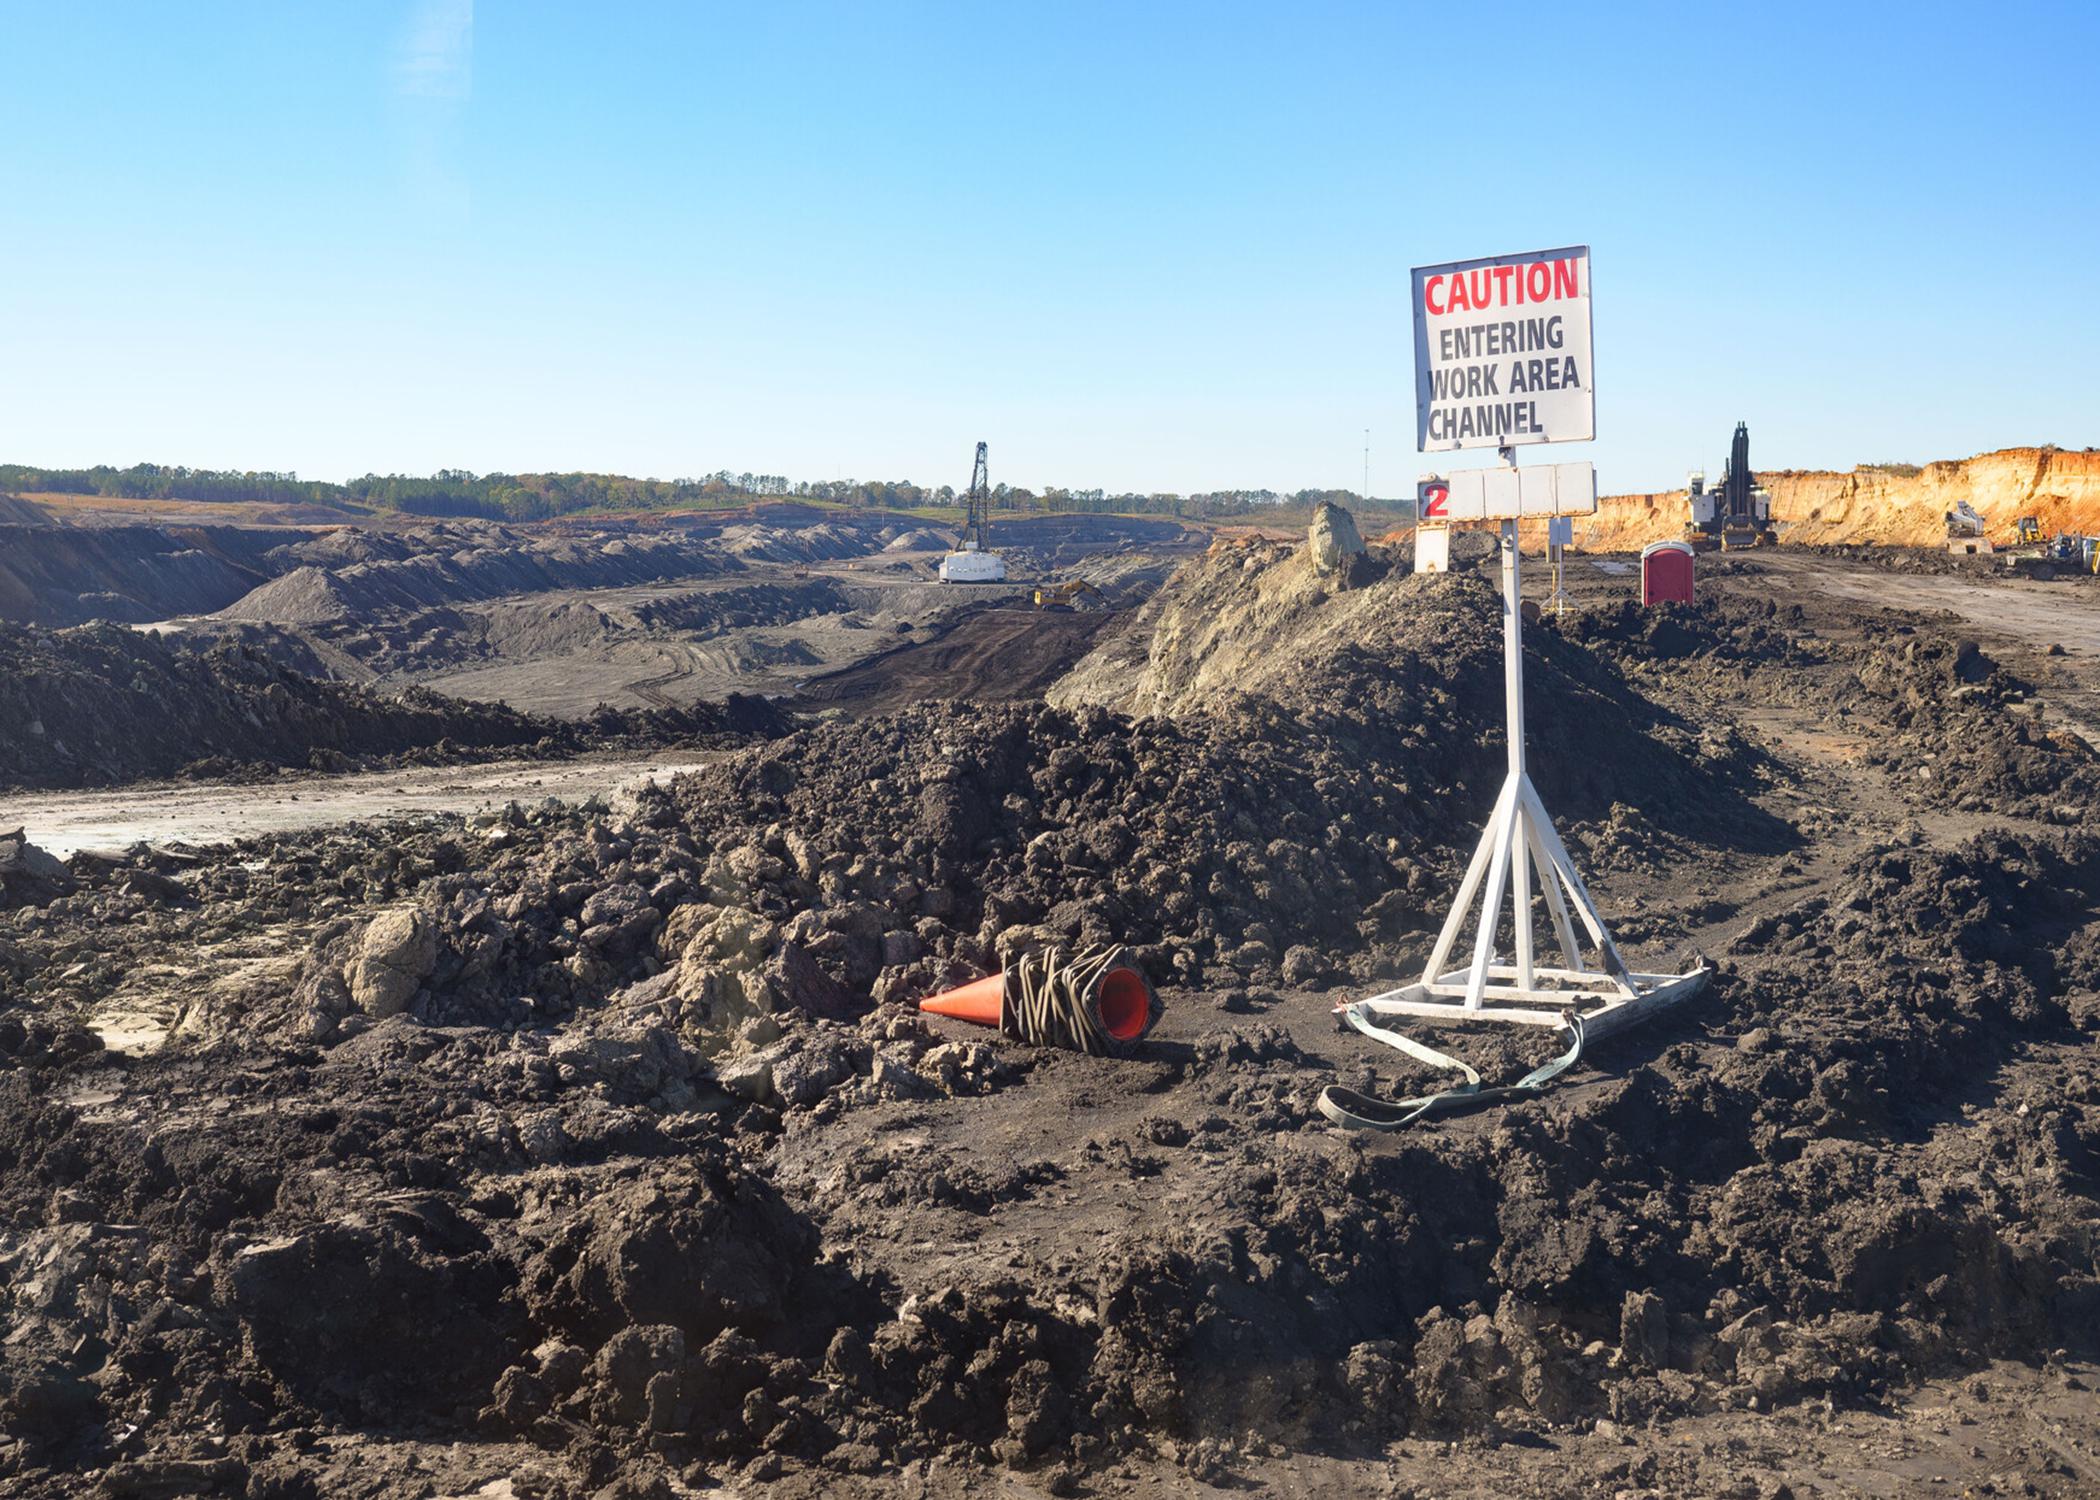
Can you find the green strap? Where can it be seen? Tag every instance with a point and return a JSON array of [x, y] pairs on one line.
[[1358, 1111]]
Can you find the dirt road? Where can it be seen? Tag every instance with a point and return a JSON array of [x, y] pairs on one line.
[[2041, 614], [65, 822]]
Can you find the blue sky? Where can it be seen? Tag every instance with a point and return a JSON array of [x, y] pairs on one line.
[[1155, 247]]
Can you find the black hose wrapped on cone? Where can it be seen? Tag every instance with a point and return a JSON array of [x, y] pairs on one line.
[[1099, 1003]]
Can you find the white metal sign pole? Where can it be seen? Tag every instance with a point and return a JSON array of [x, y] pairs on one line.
[[1513, 661], [1513, 853]]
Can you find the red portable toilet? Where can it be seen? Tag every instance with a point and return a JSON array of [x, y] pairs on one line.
[[1666, 573]]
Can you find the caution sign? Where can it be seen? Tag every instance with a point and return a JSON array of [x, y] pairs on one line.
[[1502, 352]]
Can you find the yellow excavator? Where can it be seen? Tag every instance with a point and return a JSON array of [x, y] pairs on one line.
[[1067, 595]]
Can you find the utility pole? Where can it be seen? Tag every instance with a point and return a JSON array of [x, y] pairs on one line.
[[1367, 467]]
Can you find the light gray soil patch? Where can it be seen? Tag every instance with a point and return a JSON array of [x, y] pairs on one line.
[[205, 814]]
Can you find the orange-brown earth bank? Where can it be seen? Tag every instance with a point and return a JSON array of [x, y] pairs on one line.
[[1894, 506]]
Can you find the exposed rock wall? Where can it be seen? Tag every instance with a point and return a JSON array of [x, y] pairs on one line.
[[1885, 506]]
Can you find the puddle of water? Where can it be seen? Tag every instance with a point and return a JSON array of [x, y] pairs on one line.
[[66, 822]]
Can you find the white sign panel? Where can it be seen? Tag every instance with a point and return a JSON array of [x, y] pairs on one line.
[[1513, 494], [1502, 352]]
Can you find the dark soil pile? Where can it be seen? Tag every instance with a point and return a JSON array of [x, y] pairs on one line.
[[1046, 544], [1954, 727], [591, 1238], [101, 705], [67, 575], [717, 610], [432, 640], [1966, 734], [988, 655], [1998, 567], [1240, 846], [1218, 843], [431, 567], [1402, 675], [1740, 629]]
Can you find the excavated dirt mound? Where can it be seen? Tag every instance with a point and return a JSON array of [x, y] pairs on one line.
[[540, 1234], [920, 539], [1045, 544], [719, 610], [67, 575], [810, 543], [1219, 841], [540, 628], [593, 1152], [100, 705], [1955, 727], [431, 567], [1987, 567], [1402, 675]]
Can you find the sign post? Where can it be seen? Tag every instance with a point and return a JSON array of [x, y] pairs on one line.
[[1502, 359], [1560, 532], [1432, 530]]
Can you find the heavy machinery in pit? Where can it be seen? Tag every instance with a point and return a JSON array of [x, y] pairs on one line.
[[973, 560], [1068, 596], [1735, 513]]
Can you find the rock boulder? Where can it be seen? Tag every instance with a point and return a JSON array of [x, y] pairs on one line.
[[396, 955], [1333, 540]]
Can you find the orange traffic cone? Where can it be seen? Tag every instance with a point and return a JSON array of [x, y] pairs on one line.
[[980, 1000], [1124, 1004], [1097, 1003]]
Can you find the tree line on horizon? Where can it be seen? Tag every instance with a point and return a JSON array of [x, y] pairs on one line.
[[535, 497]]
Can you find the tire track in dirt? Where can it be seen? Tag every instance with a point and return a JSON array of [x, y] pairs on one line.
[[650, 689]]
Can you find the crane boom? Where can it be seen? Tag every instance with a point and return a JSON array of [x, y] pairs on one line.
[[977, 506]]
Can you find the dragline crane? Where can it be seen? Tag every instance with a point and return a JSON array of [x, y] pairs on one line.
[[973, 560]]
